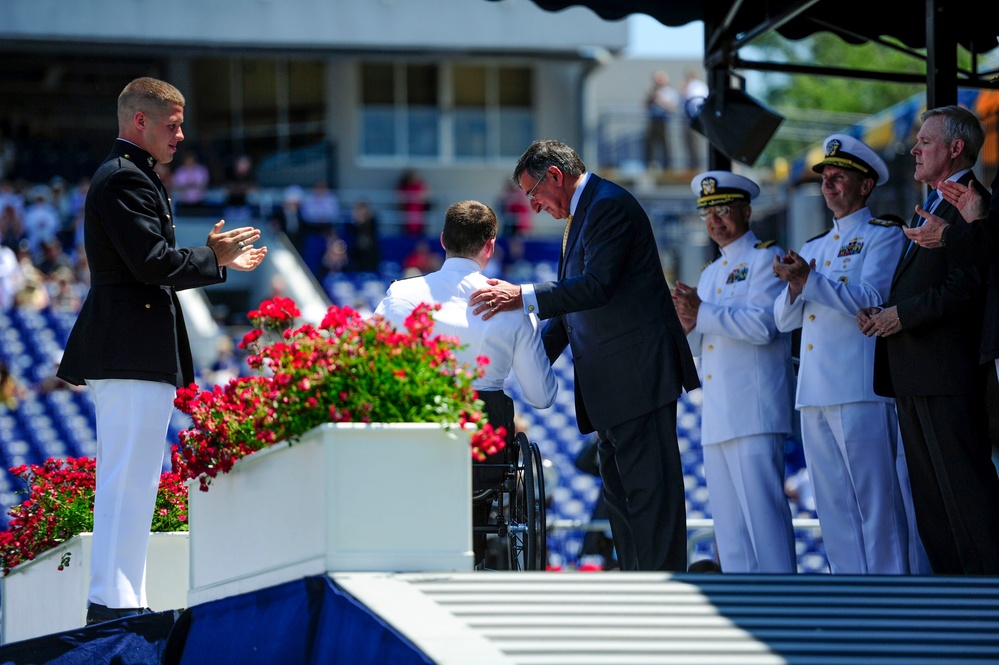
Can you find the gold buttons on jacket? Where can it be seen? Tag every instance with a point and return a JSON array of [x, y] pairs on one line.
[[707, 378], [809, 347], [827, 264], [811, 317], [148, 306], [530, 308], [711, 347], [836, 237]]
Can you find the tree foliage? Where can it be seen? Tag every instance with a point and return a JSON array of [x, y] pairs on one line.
[[829, 93], [814, 105]]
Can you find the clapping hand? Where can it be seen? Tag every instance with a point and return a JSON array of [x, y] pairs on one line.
[[235, 248], [966, 199]]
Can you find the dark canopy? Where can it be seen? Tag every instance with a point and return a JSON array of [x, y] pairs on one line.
[[855, 20], [938, 26]]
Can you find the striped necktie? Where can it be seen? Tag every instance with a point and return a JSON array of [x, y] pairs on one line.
[[565, 234], [918, 220]]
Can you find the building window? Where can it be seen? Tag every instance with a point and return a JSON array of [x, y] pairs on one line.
[[489, 112]]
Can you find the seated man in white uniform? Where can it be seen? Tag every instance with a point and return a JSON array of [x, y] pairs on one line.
[[510, 340]]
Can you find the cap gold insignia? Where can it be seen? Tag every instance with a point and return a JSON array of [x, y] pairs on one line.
[[833, 147], [708, 186]]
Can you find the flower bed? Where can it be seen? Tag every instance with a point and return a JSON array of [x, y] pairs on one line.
[[346, 369], [60, 505]]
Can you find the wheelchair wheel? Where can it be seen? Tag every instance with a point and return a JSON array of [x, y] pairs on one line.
[[526, 536]]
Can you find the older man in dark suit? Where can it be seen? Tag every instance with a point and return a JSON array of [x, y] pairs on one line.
[[611, 305], [927, 357], [129, 344]]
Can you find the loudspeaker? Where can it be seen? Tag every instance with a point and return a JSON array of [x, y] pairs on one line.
[[736, 124]]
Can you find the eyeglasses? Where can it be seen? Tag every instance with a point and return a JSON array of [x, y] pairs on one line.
[[530, 194], [719, 211]]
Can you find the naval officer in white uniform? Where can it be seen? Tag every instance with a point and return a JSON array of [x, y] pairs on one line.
[[510, 340], [849, 433], [747, 379]]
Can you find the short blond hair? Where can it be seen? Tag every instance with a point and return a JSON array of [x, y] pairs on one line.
[[148, 95]]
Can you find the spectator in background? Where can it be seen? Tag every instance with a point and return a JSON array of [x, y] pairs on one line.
[[361, 233], [515, 211], [335, 257], [64, 296], [12, 391], [41, 220], [11, 278], [694, 93], [661, 105], [10, 196], [8, 155], [11, 225], [60, 201], [240, 185], [287, 217], [190, 182], [422, 260], [319, 213], [34, 293], [52, 258], [414, 201]]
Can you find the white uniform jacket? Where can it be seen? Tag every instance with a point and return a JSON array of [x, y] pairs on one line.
[[854, 264], [745, 365], [511, 340]]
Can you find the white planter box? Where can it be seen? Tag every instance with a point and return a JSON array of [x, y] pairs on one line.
[[39, 599], [346, 497]]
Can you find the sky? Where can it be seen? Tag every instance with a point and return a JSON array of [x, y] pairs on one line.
[[648, 38]]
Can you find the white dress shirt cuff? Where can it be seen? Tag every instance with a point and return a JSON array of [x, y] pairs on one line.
[[530, 298]]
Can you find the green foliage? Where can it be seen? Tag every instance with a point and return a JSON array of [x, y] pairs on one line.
[[817, 105]]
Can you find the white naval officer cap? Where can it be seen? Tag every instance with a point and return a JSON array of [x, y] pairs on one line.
[[715, 188], [848, 152]]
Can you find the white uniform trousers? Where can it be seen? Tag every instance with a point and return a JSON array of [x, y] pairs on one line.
[[132, 421], [851, 450], [753, 529]]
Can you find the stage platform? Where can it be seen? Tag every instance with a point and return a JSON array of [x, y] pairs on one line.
[[564, 618]]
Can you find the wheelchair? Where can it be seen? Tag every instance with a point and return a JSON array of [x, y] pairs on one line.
[[514, 521]]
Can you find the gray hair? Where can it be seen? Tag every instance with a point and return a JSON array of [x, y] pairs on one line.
[[960, 123], [544, 153]]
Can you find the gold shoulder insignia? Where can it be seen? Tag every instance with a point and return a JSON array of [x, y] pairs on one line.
[[707, 264], [886, 222], [763, 244]]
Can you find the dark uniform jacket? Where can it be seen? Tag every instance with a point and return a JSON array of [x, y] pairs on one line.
[[131, 325]]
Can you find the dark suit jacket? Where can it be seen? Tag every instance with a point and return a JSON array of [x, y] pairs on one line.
[[940, 308], [977, 243], [131, 325], [612, 306]]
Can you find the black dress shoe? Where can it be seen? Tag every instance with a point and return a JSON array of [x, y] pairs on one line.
[[101, 613]]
